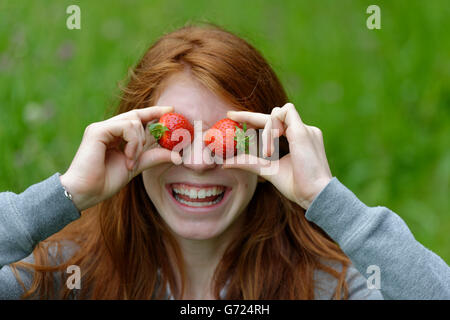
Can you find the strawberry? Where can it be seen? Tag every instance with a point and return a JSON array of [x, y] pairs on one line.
[[225, 137], [168, 123]]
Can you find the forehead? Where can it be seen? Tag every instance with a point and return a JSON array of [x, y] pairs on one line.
[[192, 99]]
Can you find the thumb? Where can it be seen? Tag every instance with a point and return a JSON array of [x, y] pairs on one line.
[[157, 156], [262, 167]]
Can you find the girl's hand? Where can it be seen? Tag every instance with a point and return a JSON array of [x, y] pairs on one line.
[[302, 173], [111, 153]]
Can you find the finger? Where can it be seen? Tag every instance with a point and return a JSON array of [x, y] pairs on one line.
[[274, 128], [157, 156], [290, 116], [143, 136], [137, 123], [314, 131], [317, 139], [149, 138], [133, 130], [107, 132], [140, 146], [145, 114], [257, 120], [267, 139], [277, 124], [296, 131], [249, 163]]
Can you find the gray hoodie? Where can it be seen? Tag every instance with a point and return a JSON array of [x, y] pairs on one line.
[[377, 241]]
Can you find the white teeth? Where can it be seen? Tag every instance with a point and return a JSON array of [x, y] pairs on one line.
[[195, 193], [198, 193], [197, 204]]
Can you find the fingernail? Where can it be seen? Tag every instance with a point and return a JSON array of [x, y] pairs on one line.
[[177, 161]]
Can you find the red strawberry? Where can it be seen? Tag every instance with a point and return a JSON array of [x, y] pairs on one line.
[[225, 137], [168, 123]]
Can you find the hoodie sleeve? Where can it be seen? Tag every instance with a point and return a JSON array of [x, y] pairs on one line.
[[32, 216], [378, 241]]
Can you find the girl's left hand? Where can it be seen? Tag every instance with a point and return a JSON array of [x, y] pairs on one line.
[[302, 173]]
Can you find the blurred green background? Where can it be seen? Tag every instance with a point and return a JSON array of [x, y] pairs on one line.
[[381, 97]]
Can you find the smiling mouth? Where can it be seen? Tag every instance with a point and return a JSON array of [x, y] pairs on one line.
[[195, 196]]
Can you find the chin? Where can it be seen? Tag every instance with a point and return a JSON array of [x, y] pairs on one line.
[[199, 229], [197, 233]]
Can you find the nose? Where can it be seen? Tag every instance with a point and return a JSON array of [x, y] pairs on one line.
[[197, 156]]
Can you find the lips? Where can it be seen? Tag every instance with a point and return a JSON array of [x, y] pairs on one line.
[[197, 196]]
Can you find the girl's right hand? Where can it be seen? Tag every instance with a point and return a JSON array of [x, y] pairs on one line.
[[101, 167]]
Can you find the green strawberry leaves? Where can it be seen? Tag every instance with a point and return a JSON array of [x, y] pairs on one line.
[[243, 141], [157, 130]]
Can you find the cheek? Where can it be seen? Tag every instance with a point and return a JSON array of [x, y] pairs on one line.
[[152, 181], [249, 182]]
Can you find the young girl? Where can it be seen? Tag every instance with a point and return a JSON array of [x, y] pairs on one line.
[[138, 237]]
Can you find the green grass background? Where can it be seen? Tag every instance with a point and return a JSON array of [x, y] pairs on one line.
[[381, 97]]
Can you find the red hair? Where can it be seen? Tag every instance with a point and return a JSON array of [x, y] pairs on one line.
[[123, 242]]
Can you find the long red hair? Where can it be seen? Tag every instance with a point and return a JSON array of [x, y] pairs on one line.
[[122, 243]]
